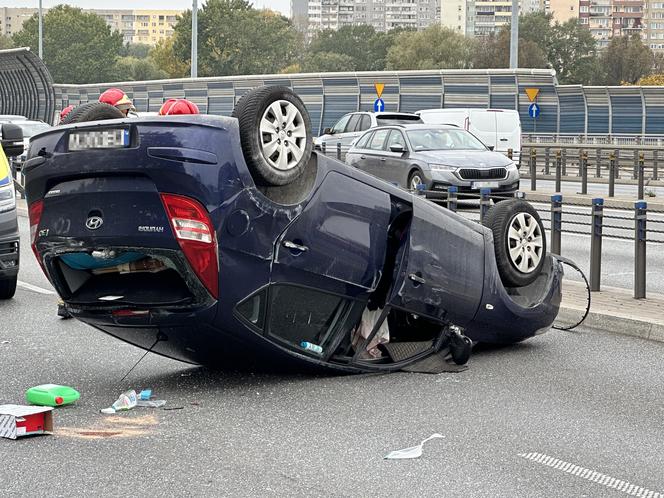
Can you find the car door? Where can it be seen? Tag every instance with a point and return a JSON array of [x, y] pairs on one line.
[[375, 156], [396, 163], [357, 156], [339, 240], [441, 272], [329, 143]]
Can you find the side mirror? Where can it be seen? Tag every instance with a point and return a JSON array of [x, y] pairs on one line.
[[327, 131], [12, 140], [397, 148], [490, 147]]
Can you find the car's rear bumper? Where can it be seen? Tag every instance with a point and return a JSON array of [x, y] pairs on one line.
[[9, 244]]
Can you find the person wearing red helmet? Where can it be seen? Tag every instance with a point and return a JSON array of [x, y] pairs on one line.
[[178, 106], [65, 111], [117, 98]]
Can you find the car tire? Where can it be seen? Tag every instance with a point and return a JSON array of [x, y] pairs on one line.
[[8, 287], [412, 178], [92, 111], [519, 241], [275, 134]]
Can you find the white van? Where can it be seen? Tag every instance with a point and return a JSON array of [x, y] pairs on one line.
[[497, 128]]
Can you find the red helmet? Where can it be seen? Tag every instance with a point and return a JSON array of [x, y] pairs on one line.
[[116, 98], [178, 106], [65, 111]]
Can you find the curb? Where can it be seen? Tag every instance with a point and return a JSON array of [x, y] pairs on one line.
[[613, 324]]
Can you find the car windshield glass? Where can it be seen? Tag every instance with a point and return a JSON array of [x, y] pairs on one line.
[[30, 129], [441, 139]]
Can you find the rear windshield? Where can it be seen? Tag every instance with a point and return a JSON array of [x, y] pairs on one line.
[[392, 119], [443, 139]]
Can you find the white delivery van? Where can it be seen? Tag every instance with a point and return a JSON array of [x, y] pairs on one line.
[[497, 128]]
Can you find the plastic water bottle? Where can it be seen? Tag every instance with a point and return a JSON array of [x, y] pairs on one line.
[[314, 348]]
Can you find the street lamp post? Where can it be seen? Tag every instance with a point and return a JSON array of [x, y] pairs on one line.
[[514, 39], [41, 32], [194, 40]]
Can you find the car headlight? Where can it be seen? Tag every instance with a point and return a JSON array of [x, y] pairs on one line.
[[7, 198], [441, 167], [511, 166]]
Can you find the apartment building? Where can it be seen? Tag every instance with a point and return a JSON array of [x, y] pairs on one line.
[[563, 10], [481, 17], [653, 22], [383, 15], [136, 26], [608, 18]]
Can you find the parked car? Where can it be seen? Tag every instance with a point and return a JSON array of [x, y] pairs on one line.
[[222, 240], [12, 145], [352, 125], [436, 156], [499, 129]]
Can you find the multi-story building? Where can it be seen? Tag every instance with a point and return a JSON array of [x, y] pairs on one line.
[[608, 18], [383, 15], [299, 14], [563, 10], [481, 17], [653, 22], [136, 26]]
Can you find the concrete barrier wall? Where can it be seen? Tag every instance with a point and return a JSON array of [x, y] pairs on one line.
[[26, 87], [564, 109]]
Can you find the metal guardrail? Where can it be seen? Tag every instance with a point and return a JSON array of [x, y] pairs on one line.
[[588, 140]]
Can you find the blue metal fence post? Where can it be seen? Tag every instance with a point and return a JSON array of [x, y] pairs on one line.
[[640, 175], [596, 244], [547, 153], [339, 151], [640, 235], [556, 222], [533, 169], [564, 171], [452, 198], [655, 175], [598, 165], [584, 172], [485, 202], [612, 174], [558, 171]]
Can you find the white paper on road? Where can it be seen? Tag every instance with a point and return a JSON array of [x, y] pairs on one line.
[[412, 452]]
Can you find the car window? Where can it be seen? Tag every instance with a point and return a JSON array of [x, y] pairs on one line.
[[396, 138], [378, 140], [365, 124], [340, 126], [352, 122], [443, 139], [364, 140], [298, 314]]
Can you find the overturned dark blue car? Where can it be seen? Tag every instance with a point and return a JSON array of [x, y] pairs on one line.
[[227, 240]]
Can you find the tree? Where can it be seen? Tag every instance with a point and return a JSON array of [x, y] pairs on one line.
[[135, 69], [138, 50], [652, 80], [6, 42], [626, 59], [78, 47], [494, 52], [235, 38], [433, 48], [572, 52], [165, 59], [321, 62]]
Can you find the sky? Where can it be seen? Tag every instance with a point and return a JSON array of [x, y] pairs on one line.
[[280, 5]]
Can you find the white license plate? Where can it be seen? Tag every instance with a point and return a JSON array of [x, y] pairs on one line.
[[484, 185], [99, 139]]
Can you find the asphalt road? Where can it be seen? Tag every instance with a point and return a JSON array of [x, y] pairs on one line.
[[564, 398]]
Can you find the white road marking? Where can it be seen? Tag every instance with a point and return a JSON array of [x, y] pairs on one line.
[[34, 288], [591, 475]]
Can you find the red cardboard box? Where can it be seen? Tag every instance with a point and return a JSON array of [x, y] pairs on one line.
[[17, 421]]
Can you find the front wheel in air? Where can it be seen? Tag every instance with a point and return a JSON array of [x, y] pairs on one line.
[[519, 241]]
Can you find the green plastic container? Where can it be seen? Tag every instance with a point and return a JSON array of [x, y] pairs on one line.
[[51, 395]]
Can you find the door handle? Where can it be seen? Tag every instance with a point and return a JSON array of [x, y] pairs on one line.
[[504, 139], [292, 245], [416, 278], [382, 159], [363, 157]]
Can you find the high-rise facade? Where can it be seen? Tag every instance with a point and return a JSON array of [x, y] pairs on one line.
[[383, 15], [481, 17], [608, 18], [136, 26]]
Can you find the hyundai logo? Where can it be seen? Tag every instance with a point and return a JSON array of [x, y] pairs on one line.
[[94, 222]]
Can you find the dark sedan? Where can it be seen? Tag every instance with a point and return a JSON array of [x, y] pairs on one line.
[[437, 156]]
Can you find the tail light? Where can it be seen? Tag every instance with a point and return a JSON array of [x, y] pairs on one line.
[[35, 214], [194, 232]]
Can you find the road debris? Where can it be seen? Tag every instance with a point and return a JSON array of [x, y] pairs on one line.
[[18, 421], [126, 401], [412, 452], [51, 395]]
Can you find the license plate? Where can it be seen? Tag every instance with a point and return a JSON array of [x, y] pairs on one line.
[[485, 184], [99, 139]]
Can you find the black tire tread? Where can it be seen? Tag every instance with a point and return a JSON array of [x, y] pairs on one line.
[[8, 287], [249, 111], [92, 111], [497, 219]]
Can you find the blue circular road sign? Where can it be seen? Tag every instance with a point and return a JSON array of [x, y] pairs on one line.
[[534, 110], [379, 105]]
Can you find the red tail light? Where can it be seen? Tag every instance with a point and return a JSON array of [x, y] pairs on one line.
[[193, 230], [35, 214]]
